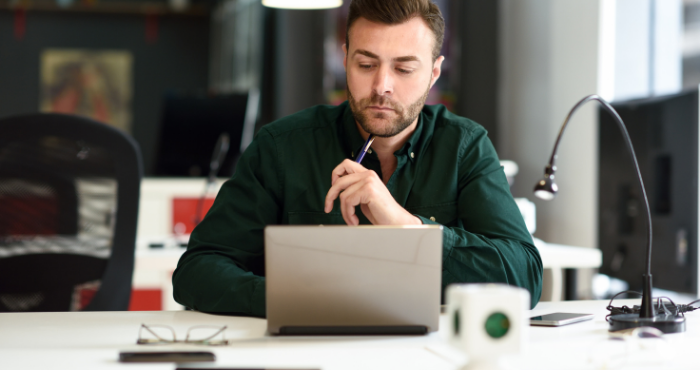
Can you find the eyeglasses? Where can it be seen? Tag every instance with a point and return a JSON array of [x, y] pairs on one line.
[[201, 334], [632, 347], [641, 332]]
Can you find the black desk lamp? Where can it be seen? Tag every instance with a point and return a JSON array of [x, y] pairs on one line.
[[217, 159], [546, 189]]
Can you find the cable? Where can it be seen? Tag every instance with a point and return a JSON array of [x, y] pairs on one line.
[[667, 308], [620, 310]]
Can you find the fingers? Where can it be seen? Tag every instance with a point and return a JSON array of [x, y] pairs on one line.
[[340, 185], [349, 199], [354, 190], [346, 167]]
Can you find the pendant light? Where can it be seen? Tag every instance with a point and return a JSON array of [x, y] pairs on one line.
[[302, 4]]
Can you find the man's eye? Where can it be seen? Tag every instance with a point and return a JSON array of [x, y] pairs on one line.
[[365, 66], [404, 71]]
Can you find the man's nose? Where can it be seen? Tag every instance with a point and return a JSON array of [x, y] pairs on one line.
[[383, 81]]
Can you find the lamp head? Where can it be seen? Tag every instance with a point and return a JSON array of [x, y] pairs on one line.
[[546, 188]]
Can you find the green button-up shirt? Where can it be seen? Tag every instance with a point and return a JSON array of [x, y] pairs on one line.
[[448, 173]]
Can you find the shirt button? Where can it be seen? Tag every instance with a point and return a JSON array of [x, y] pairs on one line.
[[369, 151], [413, 156], [431, 217]]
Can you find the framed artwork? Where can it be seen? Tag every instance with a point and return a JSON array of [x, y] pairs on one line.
[[93, 84]]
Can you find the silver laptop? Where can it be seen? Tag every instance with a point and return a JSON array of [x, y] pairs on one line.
[[324, 280]]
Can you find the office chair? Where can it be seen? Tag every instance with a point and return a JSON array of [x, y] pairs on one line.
[[69, 194]]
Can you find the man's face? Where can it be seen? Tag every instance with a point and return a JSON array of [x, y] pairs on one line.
[[389, 71]]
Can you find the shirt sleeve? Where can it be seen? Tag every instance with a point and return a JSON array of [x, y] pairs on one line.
[[491, 243], [223, 268]]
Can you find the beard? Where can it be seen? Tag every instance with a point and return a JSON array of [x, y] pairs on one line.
[[379, 123]]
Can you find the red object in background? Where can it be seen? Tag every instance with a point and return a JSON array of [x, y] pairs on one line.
[[83, 294], [29, 215], [185, 213], [151, 28], [20, 23], [146, 300]]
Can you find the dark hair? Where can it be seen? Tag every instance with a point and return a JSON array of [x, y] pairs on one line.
[[397, 12]]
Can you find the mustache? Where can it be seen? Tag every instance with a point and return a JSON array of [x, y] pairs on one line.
[[380, 100]]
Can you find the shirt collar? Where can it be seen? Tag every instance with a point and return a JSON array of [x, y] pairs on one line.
[[353, 141]]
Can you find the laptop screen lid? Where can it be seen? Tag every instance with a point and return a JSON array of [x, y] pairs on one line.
[[353, 279]]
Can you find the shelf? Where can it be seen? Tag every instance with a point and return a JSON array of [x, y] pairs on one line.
[[160, 8]]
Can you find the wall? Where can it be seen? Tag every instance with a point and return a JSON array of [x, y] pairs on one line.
[[553, 53], [299, 62], [178, 60], [549, 61], [476, 86]]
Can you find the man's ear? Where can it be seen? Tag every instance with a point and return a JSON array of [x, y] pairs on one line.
[[437, 69], [345, 57]]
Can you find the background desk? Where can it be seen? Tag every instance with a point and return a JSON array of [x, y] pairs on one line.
[[92, 340], [154, 268], [556, 259]]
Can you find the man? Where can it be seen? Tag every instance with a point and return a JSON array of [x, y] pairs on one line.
[[426, 166]]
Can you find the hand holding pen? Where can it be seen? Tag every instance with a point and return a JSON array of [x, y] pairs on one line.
[[355, 186]]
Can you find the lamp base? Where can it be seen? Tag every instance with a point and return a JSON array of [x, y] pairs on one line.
[[666, 323]]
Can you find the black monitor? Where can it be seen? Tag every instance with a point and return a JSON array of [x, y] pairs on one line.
[[664, 133], [190, 127]]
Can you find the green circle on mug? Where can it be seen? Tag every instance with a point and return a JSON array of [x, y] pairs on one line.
[[497, 325], [455, 322]]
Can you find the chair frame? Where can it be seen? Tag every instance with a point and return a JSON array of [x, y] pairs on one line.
[[115, 288]]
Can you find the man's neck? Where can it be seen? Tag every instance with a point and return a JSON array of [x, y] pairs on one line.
[[386, 146]]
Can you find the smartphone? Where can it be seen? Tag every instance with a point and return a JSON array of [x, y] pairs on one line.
[[167, 356], [559, 319]]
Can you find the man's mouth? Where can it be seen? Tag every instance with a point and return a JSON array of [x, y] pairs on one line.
[[380, 108]]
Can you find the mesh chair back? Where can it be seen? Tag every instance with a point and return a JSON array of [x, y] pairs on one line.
[[69, 191]]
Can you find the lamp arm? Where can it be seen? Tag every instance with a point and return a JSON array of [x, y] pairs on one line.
[[647, 307]]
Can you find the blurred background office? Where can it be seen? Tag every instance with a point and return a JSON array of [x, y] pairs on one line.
[[514, 66]]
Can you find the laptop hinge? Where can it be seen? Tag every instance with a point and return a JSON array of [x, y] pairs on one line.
[[354, 330]]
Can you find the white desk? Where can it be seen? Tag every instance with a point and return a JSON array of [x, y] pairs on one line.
[[92, 340], [556, 258]]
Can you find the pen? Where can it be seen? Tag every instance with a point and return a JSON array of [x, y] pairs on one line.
[[364, 149]]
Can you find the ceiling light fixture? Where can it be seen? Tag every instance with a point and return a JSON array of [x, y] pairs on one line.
[[302, 4]]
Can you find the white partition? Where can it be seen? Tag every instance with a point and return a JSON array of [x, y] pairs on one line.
[[154, 266]]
